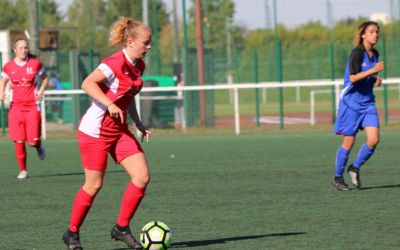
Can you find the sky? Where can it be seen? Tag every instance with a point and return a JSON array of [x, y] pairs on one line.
[[291, 13]]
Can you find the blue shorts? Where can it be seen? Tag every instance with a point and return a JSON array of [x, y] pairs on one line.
[[349, 122]]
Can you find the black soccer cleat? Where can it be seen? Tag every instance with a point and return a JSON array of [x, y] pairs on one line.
[[339, 183], [125, 236], [355, 176], [72, 240]]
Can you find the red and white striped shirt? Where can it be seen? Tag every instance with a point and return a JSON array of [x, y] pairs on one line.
[[123, 82]]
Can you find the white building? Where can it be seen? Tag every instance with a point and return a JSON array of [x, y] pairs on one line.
[[382, 17]]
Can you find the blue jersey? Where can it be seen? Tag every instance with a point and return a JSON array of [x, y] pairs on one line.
[[359, 96], [56, 82]]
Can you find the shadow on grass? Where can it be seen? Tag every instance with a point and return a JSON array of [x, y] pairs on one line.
[[72, 174], [378, 187], [198, 243]]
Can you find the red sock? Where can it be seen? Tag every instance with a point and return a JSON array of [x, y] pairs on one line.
[[82, 203], [20, 154], [130, 202]]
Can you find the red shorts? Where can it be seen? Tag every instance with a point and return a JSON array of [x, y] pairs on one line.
[[94, 151], [24, 124]]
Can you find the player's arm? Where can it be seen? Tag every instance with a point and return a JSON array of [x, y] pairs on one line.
[[132, 111], [45, 81], [356, 60], [91, 85], [3, 84]]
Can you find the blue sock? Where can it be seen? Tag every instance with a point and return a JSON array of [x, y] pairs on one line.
[[342, 155], [363, 155]]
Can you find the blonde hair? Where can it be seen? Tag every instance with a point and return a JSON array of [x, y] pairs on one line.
[[361, 31], [125, 28]]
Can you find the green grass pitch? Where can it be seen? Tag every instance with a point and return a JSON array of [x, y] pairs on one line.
[[218, 192]]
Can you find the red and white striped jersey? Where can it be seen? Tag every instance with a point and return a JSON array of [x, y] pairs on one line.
[[23, 80], [123, 82]]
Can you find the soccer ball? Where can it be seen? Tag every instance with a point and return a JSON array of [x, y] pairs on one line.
[[155, 235]]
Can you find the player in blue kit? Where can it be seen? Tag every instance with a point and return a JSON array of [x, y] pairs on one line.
[[357, 110]]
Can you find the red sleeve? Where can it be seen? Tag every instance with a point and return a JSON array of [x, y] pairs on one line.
[[113, 62], [5, 68], [39, 65]]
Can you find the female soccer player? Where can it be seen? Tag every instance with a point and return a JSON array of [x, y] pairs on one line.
[[357, 108], [24, 119], [103, 130]]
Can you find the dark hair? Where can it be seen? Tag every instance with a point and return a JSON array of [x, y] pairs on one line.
[[17, 41], [361, 31], [30, 55]]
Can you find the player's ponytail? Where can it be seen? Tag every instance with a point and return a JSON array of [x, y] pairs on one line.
[[124, 28], [361, 31], [30, 55]]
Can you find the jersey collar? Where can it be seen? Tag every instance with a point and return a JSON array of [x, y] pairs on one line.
[[127, 57], [21, 64]]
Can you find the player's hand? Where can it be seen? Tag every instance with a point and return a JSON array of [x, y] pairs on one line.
[[379, 66], [378, 82], [39, 96], [2, 96], [115, 112], [145, 132]]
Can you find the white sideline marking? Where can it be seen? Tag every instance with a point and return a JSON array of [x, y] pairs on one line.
[[286, 120]]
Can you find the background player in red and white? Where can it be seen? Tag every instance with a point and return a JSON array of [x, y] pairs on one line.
[[24, 119], [104, 130]]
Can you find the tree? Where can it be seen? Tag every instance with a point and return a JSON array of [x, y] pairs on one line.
[[116, 8], [51, 17], [216, 14], [87, 20], [14, 14], [134, 9], [11, 17]]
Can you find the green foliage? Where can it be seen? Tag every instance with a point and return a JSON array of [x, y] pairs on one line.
[[51, 17], [117, 8], [86, 18], [15, 14], [305, 51], [91, 20], [216, 15], [305, 48]]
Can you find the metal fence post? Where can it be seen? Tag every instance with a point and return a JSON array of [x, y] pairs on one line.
[[257, 90]]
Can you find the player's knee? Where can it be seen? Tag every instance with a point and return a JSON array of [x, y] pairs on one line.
[[144, 179], [141, 180], [93, 187], [373, 142], [348, 145]]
